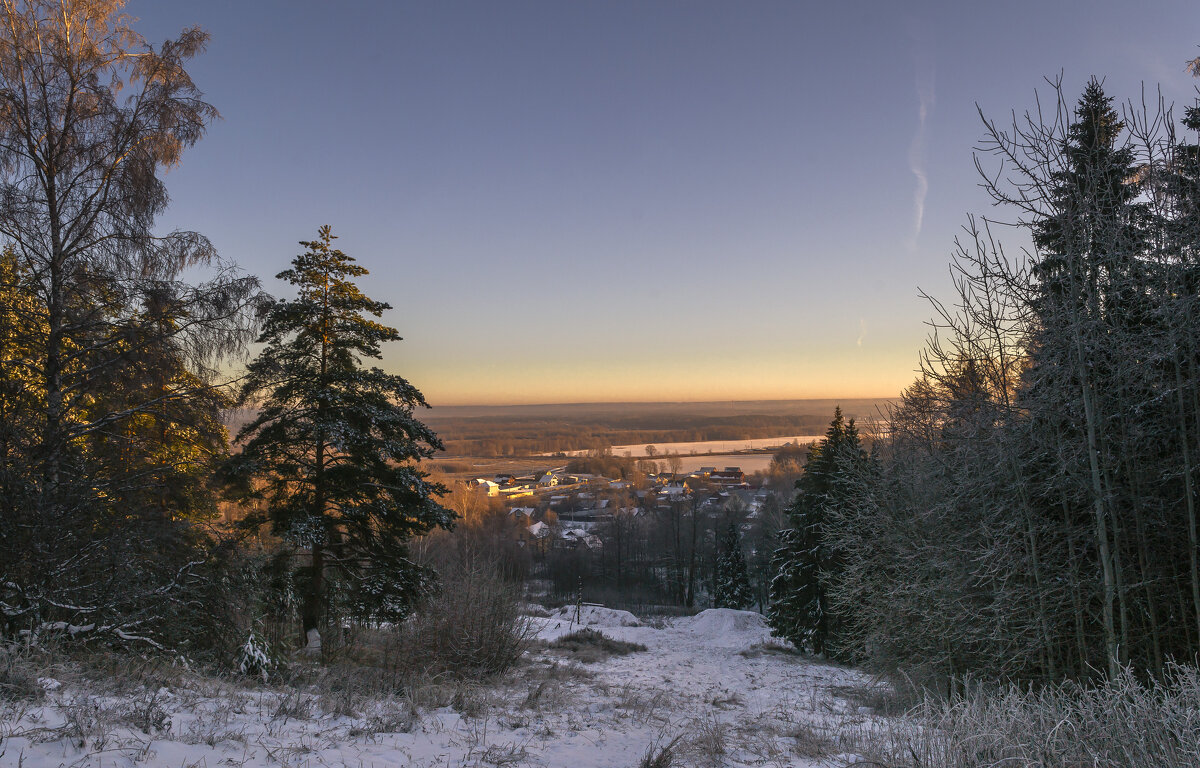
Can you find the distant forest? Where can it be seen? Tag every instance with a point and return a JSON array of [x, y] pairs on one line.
[[531, 430]]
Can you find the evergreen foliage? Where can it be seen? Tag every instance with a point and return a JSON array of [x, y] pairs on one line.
[[805, 562], [335, 447], [732, 577], [1033, 512]]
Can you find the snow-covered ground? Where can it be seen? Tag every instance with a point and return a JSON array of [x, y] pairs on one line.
[[715, 685]]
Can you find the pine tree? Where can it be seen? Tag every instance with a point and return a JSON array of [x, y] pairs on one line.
[[335, 447], [790, 611], [733, 578], [1092, 309], [799, 609]]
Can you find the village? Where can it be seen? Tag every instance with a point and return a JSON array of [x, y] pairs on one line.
[[560, 509]]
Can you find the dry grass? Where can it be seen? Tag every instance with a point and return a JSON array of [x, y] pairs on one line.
[[1124, 723], [879, 697], [18, 675], [811, 741], [390, 715], [768, 648], [661, 755], [708, 743], [589, 646]]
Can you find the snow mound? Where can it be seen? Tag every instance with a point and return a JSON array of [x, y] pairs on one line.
[[597, 616], [533, 609], [725, 626]]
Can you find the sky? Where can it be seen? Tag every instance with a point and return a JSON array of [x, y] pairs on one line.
[[634, 201]]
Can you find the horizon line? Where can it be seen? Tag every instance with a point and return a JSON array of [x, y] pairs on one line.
[[660, 402]]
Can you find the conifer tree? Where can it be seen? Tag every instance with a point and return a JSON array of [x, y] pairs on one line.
[[733, 578], [804, 563], [335, 447], [1092, 305]]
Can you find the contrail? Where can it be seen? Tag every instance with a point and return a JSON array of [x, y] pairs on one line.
[[862, 331], [916, 150]]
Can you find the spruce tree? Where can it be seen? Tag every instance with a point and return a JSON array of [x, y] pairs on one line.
[[804, 563], [1092, 305], [335, 448], [733, 578]]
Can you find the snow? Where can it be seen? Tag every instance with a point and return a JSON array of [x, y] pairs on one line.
[[725, 627], [589, 615], [733, 696]]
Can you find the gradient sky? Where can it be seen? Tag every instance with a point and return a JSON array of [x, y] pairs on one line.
[[608, 201]]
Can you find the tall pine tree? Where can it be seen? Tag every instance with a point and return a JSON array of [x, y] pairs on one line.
[[335, 447], [804, 563]]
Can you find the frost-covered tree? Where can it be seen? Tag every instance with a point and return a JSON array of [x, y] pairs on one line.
[[1033, 513], [804, 562], [335, 448], [733, 577]]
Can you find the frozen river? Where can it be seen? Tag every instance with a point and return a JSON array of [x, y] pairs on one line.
[[706, 447]]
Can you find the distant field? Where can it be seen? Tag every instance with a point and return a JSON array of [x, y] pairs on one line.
[[469, 467], [529, 430], [852, 407], [487, 440]]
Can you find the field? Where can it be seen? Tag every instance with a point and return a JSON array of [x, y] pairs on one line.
[[546, 429]]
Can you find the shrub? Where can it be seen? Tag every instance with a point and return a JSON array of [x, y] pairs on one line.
[[256, 658], [473, 626]]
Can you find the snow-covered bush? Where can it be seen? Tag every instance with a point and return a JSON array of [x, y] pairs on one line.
[[256, 658]]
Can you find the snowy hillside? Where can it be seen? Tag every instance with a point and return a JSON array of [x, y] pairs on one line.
[[714, 687]]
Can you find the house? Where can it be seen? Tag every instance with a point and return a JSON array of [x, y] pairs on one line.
[[490, 487], [547, 480], [575, 539], [728, 476]]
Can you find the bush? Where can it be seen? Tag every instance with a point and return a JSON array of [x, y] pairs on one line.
[[256, 658], [473, 626]]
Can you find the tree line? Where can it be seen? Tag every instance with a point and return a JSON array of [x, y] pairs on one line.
[[1029, 511], [113, 456]]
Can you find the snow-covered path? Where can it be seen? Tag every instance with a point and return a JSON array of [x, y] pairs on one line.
[[716, 686]]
